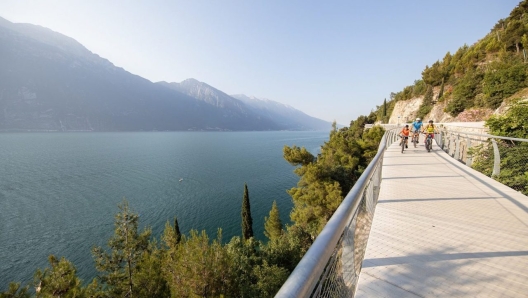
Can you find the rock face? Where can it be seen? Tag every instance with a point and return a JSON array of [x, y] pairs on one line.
[[405, 111], [437, 114]]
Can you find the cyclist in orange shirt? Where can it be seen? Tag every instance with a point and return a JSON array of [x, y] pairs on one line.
[[404, 133]]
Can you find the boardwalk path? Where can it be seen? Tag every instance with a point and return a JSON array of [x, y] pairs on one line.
[[443, 230]]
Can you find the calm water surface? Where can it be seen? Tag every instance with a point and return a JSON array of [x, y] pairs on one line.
[[59, 191]]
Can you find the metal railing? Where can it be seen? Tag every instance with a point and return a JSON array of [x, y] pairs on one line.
[[331, 267], [502, 158]]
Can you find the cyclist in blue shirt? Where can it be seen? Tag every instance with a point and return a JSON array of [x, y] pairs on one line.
[[416, 127]]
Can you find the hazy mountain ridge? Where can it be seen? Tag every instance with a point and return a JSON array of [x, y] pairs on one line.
[[49, 81], [204, 92], [283, 114], [286, 117], [46, 87]]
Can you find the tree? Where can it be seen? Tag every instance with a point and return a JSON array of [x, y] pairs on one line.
[[196, 268], [177, 233], [15, 291], [441, 93], [119, 266], [433, 75], [384, 108], [297, 156], [58, 281], [149, 280], [427, 103], [247, 221], [514, 169], [272, 224], [270, 279], [244, 256], [328, 178], [503, 79]]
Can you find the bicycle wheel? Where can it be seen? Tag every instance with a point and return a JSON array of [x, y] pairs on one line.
[[402, 144]]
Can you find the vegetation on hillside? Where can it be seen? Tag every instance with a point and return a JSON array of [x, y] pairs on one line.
[[514, 154], [479, 76], [135, 264]]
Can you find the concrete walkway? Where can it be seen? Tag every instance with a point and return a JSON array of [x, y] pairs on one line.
[[442, 229]]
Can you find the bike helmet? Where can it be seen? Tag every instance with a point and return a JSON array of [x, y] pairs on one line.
[[407, 125], [430, 121], [418, 119]]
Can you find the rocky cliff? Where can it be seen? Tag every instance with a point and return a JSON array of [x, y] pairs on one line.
[[405, 111]]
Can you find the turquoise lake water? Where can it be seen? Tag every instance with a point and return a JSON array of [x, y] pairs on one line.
[[59, 191]]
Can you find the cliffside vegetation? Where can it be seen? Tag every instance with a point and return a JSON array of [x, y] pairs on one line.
[[482, 75], [135, 264], [514, 155]]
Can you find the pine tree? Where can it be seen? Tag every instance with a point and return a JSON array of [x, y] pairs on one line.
[[273, 225], [118, 267], [58, 281], [15, 291], [247, 221]]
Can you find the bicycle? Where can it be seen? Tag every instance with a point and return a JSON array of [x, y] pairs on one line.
[[403, 142], [429, 141], [415, 138]]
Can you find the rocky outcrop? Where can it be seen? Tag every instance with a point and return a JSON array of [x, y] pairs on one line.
[[405, 111], [437, 114]]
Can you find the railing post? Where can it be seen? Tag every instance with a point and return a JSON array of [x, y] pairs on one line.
[[456, 153], [469, 158], [496, 158], [450, 140]]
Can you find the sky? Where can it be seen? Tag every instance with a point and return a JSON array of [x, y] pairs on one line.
[[334, 60]]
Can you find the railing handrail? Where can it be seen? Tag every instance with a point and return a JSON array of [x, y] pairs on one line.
[[487, 136], [303, 279]]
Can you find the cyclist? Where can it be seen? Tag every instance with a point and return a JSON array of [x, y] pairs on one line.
[[429, 129], [416, 128], [404, 133]]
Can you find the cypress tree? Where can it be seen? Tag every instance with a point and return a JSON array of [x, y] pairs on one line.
[[273, 225], [247, 221], [177, 234], [385, 107], [441, 93]]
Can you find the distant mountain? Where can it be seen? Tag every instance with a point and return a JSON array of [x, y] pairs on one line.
[[229, 107], [51, 82], [284, 116]]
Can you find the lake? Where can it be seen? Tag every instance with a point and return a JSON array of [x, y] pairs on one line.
[[59, 191]]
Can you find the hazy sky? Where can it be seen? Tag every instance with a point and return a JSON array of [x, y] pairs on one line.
[[334, 60]]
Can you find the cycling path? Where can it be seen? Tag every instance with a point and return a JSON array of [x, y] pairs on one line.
[[441, 229]]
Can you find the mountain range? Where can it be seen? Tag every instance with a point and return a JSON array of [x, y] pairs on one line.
[[50, 82]]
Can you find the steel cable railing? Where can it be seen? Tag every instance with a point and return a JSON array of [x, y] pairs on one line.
[[331, 267]]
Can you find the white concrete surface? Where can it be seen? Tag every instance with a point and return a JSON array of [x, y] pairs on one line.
[[441, 229]]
